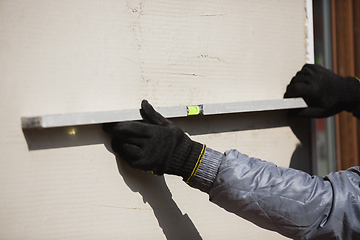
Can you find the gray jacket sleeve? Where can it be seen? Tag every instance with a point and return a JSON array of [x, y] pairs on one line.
[[288, 201]]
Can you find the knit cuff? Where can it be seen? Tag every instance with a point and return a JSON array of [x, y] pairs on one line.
[[186, 157], [207, 172]]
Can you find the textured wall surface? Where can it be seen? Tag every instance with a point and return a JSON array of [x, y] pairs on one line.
[[75, 56]]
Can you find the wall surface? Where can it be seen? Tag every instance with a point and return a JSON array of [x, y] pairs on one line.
[[85, 56]]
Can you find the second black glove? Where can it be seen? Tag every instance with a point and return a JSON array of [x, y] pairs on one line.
[[325, 92]]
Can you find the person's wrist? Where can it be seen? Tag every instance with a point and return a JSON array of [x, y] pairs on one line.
[[186, 158], [193, 161]]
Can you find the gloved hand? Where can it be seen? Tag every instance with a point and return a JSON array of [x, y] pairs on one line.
[[158, 146], [325, 92]]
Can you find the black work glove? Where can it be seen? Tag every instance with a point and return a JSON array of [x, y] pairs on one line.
[[158, 146], [325, 92]]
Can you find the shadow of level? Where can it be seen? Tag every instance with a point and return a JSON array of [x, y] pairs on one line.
[[64, 137]]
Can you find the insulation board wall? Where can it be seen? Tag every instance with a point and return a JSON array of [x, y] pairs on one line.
[[99, 55]]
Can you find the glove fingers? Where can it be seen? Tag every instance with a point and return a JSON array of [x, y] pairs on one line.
[[308, 69], [108, 127], [302, 74], [136, 141], [132, 155], [300, 78], [310, 113], [128, 152], [115, 145], [307, 72], [314, 69], [126, 129], [148, 113], [297, 90]]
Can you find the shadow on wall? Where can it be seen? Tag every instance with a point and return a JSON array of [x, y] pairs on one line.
[[301, 158], [154, 191], [49, 138]]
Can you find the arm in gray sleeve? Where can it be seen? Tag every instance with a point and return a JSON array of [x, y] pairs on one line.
[[288, 201]]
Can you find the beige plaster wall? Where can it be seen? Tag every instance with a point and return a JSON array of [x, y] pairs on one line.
[[95, 55]]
